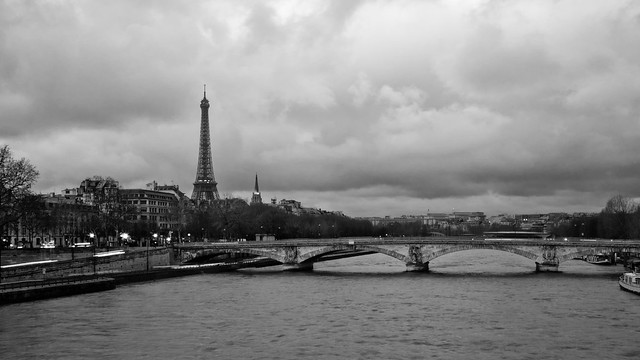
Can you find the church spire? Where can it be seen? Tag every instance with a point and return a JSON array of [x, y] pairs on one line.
[[256, 198], [256, 188]]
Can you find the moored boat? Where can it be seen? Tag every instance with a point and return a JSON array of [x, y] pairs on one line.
[[598, 259], [632, 265], [630, 282]]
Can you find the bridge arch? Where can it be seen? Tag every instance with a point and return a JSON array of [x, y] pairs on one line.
[[311, 256], [427, 257], [202, 254], [578, 253]]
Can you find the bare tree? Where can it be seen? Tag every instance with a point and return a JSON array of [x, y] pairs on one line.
[[616, 217], [16, 179]]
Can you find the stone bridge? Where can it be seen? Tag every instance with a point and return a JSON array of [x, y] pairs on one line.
[[301, 254]]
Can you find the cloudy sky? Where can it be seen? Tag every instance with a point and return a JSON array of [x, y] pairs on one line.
[[369, 107]]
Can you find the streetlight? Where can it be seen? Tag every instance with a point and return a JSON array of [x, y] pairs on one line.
[[1, 247], [155, 236], [93, 245], [125, 238]]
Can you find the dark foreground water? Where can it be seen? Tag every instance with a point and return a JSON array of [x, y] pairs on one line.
[[472, 305]]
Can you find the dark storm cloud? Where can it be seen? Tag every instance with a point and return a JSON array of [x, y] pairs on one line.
[[73, 66], [398, 107]]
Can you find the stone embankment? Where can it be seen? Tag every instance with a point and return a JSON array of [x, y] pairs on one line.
[[35, 275], [102, 263], [21, 291], [63, 274]]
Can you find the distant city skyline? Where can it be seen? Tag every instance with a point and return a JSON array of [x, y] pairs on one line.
[[365, 107]]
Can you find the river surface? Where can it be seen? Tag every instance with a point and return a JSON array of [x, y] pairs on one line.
[[477, 304]]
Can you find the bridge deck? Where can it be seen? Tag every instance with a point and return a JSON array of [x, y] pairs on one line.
[[615, 244]]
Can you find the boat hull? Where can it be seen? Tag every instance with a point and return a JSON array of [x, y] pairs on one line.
[[600, 262], [629, 288]]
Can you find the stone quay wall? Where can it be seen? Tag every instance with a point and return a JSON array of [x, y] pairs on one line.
[[131, 261], [16, 256]]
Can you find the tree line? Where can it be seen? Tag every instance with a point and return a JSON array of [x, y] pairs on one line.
[[109, 215], [234, 219], [619, 219]]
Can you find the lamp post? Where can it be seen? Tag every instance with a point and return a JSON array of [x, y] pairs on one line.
[[148, 254], [1, 246], [93, 245], [155, 236], [124, 238]]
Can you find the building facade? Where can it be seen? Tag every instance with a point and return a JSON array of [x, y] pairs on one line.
[[160, 209], [63, 220]]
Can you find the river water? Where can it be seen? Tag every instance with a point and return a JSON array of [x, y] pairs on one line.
[[477, 304]]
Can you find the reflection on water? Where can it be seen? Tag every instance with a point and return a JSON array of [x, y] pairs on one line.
[[476, 304]]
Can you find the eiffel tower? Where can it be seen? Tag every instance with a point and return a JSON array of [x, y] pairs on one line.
[[205, 188]]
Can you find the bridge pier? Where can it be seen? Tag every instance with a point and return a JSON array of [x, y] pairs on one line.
[[412, 267], [306, 266], [547, 267]]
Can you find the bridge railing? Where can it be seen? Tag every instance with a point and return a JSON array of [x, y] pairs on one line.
[[599, 243]]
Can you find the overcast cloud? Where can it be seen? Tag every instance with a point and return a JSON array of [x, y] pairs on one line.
[[369, 107]]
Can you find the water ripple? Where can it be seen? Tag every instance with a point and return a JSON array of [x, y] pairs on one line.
[[468, 307]]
